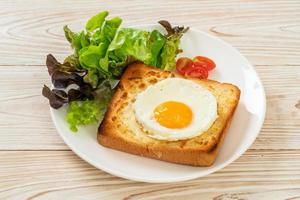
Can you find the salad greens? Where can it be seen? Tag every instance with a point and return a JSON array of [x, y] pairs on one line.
[[101, 53], [138, 44], [171, 48], [84, 113]]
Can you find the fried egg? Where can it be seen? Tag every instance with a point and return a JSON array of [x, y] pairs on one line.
[[175, 109]]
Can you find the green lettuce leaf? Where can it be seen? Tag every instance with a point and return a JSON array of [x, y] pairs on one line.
[[103, 33], [130, 45], [96, 21], [92, 78], [107, 32], [169, 53], [77, 40], [89, 56], [91, 45], [157, 41], [171, 47], [91, 111], [85, 112]]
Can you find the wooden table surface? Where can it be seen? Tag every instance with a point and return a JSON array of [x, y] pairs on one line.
[[36, 164]]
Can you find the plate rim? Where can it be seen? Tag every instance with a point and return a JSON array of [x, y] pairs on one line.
[[239, 152]]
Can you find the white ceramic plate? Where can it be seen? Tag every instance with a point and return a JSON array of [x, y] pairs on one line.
[[232, 67]]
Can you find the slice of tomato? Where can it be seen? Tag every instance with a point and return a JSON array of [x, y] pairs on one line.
[[183, 64], [197, 72], [204, 62]]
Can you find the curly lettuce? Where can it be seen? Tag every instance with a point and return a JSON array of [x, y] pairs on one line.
[[84, 113], [101, 53], [171, 47], [130, 45]]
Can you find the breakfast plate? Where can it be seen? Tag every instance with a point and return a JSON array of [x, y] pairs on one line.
[[232, 67]]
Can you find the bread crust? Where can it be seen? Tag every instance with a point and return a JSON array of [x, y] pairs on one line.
[[199, 151]]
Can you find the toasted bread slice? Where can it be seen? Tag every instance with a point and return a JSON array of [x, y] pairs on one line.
[[119, 129]]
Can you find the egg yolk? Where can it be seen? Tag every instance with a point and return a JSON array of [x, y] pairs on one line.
[[173, 114]]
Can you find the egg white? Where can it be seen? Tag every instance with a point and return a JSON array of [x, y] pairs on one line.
[[200, 100]]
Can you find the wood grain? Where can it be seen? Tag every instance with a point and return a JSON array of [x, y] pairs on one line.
[[259, 174], [267, 32], [36, 164], [25, 118]]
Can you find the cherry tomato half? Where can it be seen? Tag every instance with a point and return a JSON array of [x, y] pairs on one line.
[[183, 64], [204, 62], [197, 72]]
